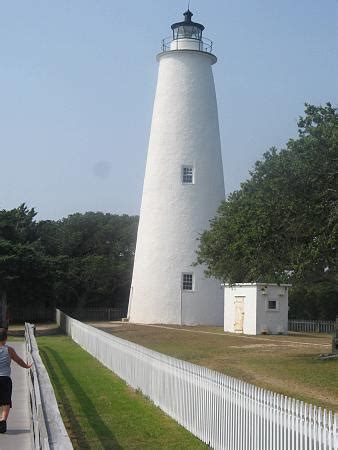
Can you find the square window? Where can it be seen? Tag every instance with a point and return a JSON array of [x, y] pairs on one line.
[[187, 174], [272, 304], [187, 281]]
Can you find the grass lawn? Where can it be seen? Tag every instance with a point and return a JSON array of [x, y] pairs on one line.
[[99, 410], [285, 364], [15, 339]]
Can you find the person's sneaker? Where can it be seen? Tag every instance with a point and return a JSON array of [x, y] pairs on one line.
[[3, 427]]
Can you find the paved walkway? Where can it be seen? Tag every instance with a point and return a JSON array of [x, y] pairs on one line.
[[18, 436]]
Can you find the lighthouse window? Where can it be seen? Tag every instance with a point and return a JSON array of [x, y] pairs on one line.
[[187, 174], [187, 281]]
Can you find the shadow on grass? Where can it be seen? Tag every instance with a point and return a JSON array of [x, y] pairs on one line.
[[77, 431], [103, 433]]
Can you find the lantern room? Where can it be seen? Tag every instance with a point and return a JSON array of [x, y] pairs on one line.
[[187, 29], [187, 35]]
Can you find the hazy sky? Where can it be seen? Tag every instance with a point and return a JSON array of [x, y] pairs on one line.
[[78, 78]]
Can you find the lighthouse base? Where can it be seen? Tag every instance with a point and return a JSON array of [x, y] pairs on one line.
[[205, 307], [210, 313]]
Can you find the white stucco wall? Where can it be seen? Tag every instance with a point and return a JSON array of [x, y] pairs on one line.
[[257, 318], [270, 321], [184, 131], [186, 44]]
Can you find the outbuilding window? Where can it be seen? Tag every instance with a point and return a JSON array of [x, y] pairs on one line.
[[187, 175], [272, 305], [187, 281]]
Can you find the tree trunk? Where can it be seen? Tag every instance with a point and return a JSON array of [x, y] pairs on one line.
[[3, 309]]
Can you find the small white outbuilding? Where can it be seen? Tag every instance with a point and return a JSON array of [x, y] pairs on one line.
[[256, 308]]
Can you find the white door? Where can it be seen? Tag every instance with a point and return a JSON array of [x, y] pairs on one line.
[[239, 314]]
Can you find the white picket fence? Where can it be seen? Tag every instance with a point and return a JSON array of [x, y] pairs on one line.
[[312, 326], [49, 432], [222, 411], [38, 421]]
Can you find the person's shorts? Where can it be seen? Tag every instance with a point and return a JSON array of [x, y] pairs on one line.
[[5, 391]]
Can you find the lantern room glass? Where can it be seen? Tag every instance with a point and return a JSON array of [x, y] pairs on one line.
[[187, 32]]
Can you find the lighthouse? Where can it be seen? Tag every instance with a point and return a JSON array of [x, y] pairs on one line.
[[183, 187]]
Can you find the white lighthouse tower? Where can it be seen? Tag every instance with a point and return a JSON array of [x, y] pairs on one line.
[[183, 187]]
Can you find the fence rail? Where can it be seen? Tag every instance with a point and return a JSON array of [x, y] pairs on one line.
[[312, 326], [222, 411], [49, 432], [38, 424]]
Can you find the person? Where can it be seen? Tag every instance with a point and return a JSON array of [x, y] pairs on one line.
[[7, 354]]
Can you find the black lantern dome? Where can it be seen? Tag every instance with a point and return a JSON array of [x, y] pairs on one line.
[[187, 29]]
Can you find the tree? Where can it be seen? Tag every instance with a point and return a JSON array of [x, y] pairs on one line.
[[82, 260], [24, 267], [280, 225], [93, 256]]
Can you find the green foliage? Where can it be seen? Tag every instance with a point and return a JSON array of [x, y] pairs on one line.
[[280, 226], [82, 260], [24, 267], [17, 225], [95, 256], [316, 299]]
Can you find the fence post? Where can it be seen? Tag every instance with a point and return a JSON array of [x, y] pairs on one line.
[[335, 338], [335, 428]]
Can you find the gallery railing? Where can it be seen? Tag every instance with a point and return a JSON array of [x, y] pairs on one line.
[[202, 45]]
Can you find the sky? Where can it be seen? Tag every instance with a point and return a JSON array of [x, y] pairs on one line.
[[78, 78]]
